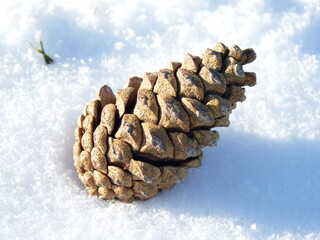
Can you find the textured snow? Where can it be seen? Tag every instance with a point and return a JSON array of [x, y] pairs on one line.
[[260, 182]]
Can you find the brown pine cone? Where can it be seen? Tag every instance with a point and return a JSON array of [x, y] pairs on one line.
[[143, 141]]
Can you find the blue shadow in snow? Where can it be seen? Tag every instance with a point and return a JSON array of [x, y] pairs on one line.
[[65, 33], [311, 35], [271, 183], [284, 6]]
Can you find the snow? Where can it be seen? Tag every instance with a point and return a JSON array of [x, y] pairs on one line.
[[260, 182]]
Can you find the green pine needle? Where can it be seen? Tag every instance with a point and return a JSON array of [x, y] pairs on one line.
[[47, 59]]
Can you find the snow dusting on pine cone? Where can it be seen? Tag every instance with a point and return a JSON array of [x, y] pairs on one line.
[[143, 141]]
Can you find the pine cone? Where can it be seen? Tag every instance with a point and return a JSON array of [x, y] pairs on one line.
[[143, 141]]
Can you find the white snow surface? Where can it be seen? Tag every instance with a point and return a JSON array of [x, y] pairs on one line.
[[260, 182]]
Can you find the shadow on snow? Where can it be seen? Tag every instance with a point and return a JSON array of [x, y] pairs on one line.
[[271, 183]]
